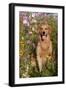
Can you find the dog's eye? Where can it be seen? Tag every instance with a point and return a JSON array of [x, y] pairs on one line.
[[46, 28], [41, 28]]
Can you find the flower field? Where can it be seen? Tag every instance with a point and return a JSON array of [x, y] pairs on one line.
[[28, 39]]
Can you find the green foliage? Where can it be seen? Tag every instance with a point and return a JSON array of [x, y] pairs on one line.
[[48, 70]]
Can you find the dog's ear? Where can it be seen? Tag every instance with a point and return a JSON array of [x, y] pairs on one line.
[[50, 29], [39, 29]]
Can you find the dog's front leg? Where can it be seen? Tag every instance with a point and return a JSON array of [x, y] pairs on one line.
[[39, 59]]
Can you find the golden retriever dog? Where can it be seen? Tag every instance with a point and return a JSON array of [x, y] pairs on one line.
[[44, 46]]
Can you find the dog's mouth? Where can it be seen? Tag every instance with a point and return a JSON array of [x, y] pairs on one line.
[[43, 34]]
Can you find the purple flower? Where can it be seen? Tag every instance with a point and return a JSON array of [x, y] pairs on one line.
[[26, 20]]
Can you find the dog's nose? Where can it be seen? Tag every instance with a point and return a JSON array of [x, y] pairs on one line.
[[43, 33]]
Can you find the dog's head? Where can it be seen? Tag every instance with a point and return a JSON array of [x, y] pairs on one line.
[[44, 31]]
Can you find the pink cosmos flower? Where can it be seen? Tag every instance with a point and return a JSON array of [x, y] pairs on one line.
[[30, 33], [26, 20]]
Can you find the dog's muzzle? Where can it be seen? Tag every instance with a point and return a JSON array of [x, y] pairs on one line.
[[43, 34]]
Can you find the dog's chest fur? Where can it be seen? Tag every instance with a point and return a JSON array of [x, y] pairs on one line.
[[44, 48]]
